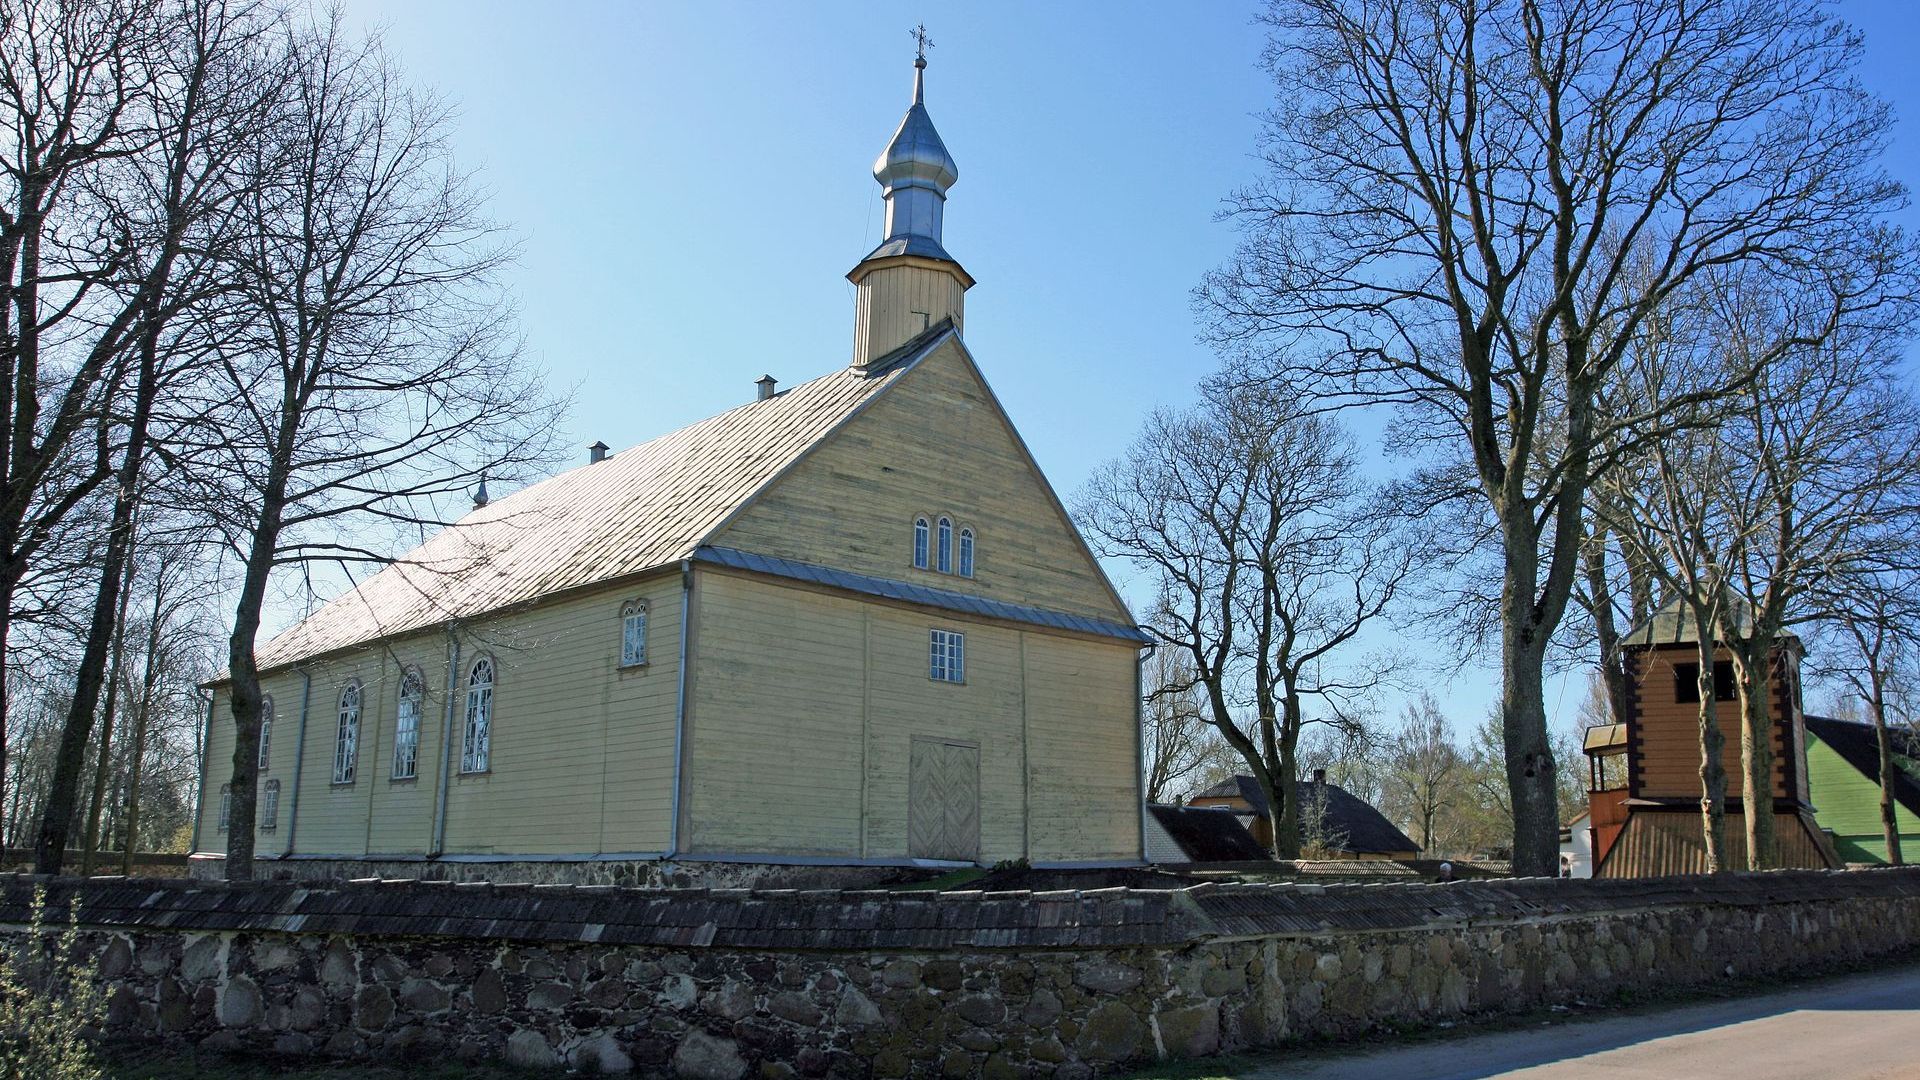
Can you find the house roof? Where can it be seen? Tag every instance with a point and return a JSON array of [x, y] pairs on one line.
[[1673, 624], [1364, 829], [912, 592], [645, 507], [1208, 835], [1859, 746]]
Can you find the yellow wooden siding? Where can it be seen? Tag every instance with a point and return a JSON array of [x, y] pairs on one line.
[[1080, 715], [805, 706], [581, 750], [934, 444], [895, 303]]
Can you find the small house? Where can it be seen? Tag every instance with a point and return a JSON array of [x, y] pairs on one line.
[[1843, 773], [1347, 826], [1198, 834]]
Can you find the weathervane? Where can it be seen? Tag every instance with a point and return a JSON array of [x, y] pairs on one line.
[[921, 39]]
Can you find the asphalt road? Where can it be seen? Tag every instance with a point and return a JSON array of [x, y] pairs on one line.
[[1858, 1027]]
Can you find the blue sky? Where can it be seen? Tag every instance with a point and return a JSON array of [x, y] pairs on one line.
[[690, 184]]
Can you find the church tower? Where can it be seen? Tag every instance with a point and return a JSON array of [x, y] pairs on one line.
[[909, 282]]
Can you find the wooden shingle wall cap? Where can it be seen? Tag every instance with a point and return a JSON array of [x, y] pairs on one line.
[[873, 920]]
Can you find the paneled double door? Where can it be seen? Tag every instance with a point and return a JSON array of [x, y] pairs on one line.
[[943, 800]]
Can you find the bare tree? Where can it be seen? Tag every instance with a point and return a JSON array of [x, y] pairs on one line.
[[1269, 558], [1179, 739], [371, 373], [1455, 191], [1874, 615], [1425, 771], [200, 97]]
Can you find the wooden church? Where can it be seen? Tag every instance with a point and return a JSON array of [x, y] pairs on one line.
[[1644, 773], [847, 624]]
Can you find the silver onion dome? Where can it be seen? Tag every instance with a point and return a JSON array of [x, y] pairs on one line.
[[914, 173]]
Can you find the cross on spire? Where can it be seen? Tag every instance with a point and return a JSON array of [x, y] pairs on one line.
[[925, 42]]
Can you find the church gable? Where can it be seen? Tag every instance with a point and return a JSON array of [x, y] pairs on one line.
[[935, 446]]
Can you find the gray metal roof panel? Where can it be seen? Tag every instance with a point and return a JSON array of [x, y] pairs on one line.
[[887, 588]]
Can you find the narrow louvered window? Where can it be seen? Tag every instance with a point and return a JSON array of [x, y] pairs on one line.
[[919, 543], [633, 634], [946, 545], [966, 552], [477, 735], [406, 728], [346, 740]]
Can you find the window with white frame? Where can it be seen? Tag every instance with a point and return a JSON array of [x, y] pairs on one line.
[[266, 728], [406, 728], [226, 806], [920, 543], [270, 806], [947, 655], [346, 739], [474, 740], [633, 633], [946, 546], [966, 552]]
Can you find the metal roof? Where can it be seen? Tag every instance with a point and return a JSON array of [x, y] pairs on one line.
[[642, 508], [890, 589], [1604, 739]]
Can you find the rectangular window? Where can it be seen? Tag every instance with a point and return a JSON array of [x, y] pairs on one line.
[[947, 656], [266, 738], [633, 638], [473, 744], [226, 805], [270, 806], [1686, 682], [406, 732]]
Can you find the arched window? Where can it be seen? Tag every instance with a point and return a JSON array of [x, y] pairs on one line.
[[474, 740], [946, 545], [270, 806], [226, 805], [346, 740], [919, 543], [406, 728], [266, 728], [633, 633], [966, 552]]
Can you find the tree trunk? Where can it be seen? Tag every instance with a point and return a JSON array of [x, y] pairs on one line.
[[103, 769], [1523, 719], [64, 793], [1713, 772], [1889, 821], [1286, 829], [1756, 747]]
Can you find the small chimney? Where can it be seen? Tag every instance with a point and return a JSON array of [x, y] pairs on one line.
[[1319, 776], [766, 384], [596, 453], [480, 493]]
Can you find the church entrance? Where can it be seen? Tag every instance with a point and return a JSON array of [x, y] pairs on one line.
[[943, 796]]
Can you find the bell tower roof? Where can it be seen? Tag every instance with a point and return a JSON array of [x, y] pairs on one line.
[[909, 283], [914, 173]]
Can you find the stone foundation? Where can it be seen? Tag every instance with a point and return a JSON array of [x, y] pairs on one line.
[[725, 984]]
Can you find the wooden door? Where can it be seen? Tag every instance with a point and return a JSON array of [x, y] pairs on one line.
[[943, 800]]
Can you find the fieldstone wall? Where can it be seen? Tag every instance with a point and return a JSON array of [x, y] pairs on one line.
[[728, 985]]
